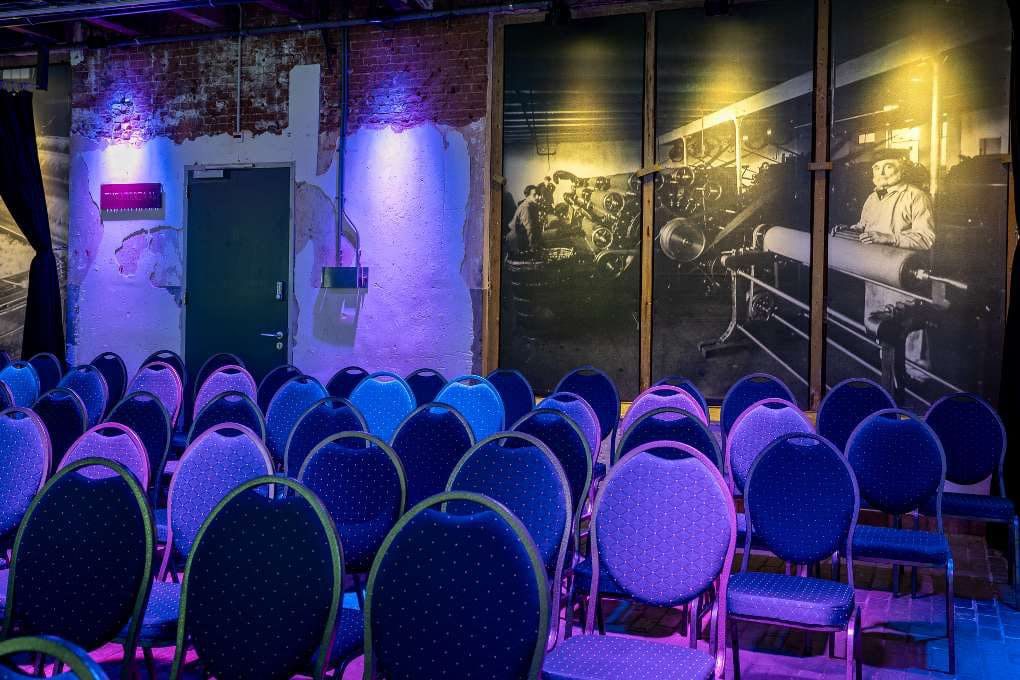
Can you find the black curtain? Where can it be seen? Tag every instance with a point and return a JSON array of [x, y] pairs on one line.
[[1009, 390], [21, 188]]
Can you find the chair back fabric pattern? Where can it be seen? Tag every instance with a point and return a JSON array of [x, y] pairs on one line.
[[24, 464], [361, 483], [430, 442], [295, 397], [846, 405], [662, 396], [144, 414], [89, 384], [425, 384], [599, 390], [64, 415], [229, 378], [581, 412], [112, 367], [672, 425], [756, 428], [172, 359], [229, 407], [343, 382], [565, 440], [162, 380], [972, 436], [420, 613], [213, 364], [326, 417], [48, 369], [113, 442], [515, 391], [478, 401], [272, 382], [384, 400], [687, 386], [261, 561], [20, 377], [748, 391]]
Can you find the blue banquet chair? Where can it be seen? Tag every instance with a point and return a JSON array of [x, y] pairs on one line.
[[687, 386], [229, 407], [747, 391], [114, 442], [425, 384], [755, 428], [23, 382], [343, 382], [263, 586], [974, 441], [418, 611], [581, 412], [162, 380], [24, 466], [522, 474], [430, 442], [65, 418], [229, 378], [79, 664], [647, 509], [114, 372], [271, 382], [171, 358], [515, 391], [82, 564], [384, 400], [291, 401], [478, 401], [599, 390], [213, 364], [801, 502], [662, 396], [674, 425], [846, 405], [48, 369], [901, 468], [324, 418], [89, 384], [146, 416]]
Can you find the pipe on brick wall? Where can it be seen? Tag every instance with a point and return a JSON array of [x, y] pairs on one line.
[[61, 13], [345, 47], [300, 27]]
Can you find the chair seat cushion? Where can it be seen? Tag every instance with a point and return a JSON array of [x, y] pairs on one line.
[[790, 599], [170, 467], [901, 545], [350, 635], [582, 580], [159, 625], [976, 506], [594, 657]]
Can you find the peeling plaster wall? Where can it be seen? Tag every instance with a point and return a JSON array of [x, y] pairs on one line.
[[415, 192]]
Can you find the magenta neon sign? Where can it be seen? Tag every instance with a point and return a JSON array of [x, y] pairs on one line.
[[130, 197]]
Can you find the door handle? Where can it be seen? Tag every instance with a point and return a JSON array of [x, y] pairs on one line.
[[278, 335]]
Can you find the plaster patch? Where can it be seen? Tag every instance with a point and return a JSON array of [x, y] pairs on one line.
[[157, 252]]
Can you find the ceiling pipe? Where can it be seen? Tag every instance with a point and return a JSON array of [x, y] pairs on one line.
[[58, 14]]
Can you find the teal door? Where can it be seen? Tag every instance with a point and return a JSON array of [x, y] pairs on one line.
[[238, 267]]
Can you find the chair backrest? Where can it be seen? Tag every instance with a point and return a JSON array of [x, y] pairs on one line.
[[6, 398], [89, 384], [425, 384], [24, 464], [173, 359], [801, 501], [515, 391], [471, 559], [755, 429], [295, 397], [672, 425], [972, 436], [846, 405], [114, 372], [581, 412], [82, 559], [217, 461], [343, 382], [750, 390], [48, 369], [521, 473], [326, 417], [649, 508], [263, 585], [661, 396], [229, 407], [79, 664], [161, 379], [360, 481], [599, 390], [143, 413], [384, 400], [478, 401], [215, 363], [898, 461], [23, 382], [272, 382], [565, 439], [65, 418], [430, 442], [115, 442], [687, 386], [230, 378]]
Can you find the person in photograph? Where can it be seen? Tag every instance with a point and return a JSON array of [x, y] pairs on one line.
[[526, 224]]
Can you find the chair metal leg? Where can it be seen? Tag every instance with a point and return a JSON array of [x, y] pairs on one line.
[[913, 582], [150, 662], [569, 613], [692, 626], [896, 580], [735, 644], [832, 645], [851, 640], [950, 617], [600, 618]]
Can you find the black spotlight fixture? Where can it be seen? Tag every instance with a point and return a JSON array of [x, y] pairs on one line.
[[559, 13], [714, 8]]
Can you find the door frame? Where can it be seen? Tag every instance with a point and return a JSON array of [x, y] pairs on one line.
[[291, 301]]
